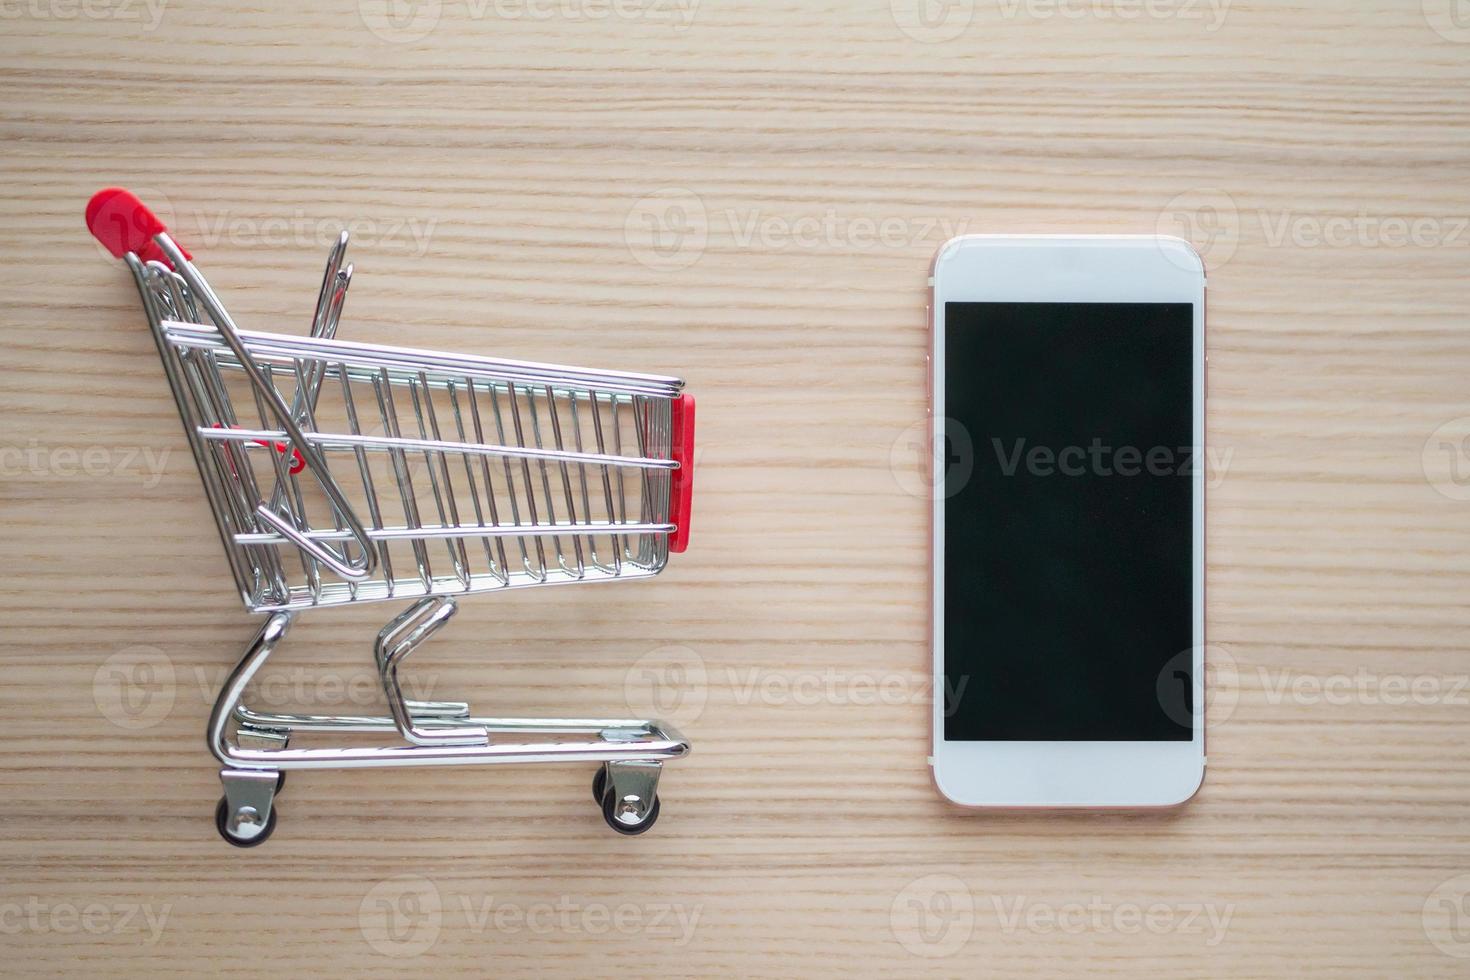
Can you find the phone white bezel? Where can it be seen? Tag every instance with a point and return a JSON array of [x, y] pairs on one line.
[[1067, 268]]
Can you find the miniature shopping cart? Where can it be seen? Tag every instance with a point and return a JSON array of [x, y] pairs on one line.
[[343, 472]]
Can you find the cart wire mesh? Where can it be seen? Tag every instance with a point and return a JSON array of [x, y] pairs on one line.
[[468, 474]]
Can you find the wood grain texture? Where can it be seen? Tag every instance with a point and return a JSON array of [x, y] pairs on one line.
[[499, 172]]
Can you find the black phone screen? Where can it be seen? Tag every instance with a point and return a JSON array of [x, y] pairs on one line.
[[1068, 521]]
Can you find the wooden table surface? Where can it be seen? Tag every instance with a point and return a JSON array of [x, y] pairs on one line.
[[747, 195]]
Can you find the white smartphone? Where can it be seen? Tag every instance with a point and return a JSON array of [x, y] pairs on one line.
[[1068, 418]]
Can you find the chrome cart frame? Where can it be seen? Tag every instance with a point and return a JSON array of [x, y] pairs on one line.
[[344, 472]]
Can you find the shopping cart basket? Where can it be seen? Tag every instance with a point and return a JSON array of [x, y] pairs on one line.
[[343, 472]]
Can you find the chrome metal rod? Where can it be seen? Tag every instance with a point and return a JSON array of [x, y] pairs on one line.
[[339, 440], [626, 742], [656, 749], [404, 634], [313, 459], [466, 531], [367, 724], [290, 348]]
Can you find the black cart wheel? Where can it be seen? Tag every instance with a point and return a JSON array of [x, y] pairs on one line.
[[222, 823], [609, 813]]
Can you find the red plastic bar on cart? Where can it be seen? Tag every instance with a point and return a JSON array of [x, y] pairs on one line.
[[123, 224], [681, 488], [297, 464]]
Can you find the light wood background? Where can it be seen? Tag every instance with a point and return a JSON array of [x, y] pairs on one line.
[[500, 166]]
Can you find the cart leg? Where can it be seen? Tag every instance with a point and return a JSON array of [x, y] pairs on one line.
[[246, 815], [629, 795], [401, 637], [227, 706]]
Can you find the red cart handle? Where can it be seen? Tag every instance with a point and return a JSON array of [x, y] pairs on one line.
[[123, 224], [681, 486]]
